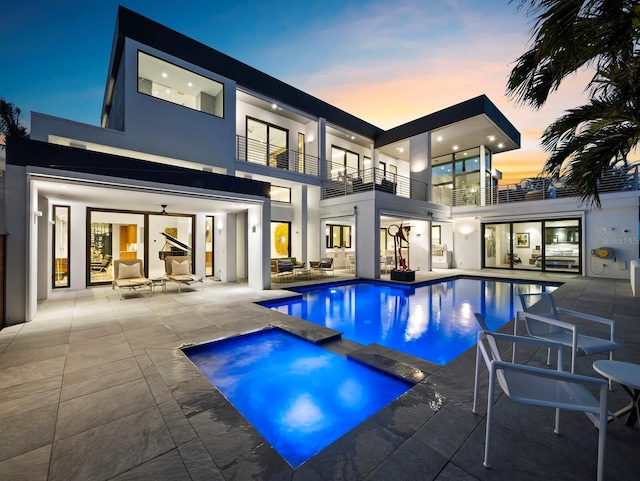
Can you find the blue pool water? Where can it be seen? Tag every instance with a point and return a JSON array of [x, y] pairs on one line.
[[299, 396], [435, 322]]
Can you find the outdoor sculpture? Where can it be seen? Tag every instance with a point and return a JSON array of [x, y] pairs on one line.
[[401, 271]]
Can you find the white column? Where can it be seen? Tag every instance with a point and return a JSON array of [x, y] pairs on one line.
[[322, 148], [258, 256], [420, 161]]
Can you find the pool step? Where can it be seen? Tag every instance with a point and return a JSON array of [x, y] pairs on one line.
[[380, 357]]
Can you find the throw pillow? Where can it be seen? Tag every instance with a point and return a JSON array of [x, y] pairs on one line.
[[129, 272], [180, 268]]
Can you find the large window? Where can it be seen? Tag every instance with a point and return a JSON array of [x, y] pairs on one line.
[[280, 194], [338, 236], [343, 163], [166, 81], [114, 235], [61, 231], [548, 245], [267, 144]]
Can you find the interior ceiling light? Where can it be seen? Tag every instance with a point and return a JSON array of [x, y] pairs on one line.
[[491, 138], [439, 138], [500, 145], [164, 75], [190, 84], [455, 147]]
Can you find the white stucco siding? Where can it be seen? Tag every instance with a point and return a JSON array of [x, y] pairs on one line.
[[614, 226], [164, 128]]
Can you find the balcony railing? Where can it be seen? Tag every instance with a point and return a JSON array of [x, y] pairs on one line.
[[275, 156], [343, 180], [616, 180]]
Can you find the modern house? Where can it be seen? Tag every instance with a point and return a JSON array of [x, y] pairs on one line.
[[203, 155]]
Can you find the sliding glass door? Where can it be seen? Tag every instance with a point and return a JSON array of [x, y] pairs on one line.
[[121, 235]]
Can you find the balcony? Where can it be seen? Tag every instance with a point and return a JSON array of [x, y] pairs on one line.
[[616, 180], [345, 181], [275, 156]]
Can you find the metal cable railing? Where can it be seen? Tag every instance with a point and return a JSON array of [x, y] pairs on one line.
[[342, 180], [276, 156], [538, 188]]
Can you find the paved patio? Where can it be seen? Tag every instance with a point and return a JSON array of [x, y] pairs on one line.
[[94, 389]]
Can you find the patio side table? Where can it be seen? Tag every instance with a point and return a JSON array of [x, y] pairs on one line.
[[628, 376]]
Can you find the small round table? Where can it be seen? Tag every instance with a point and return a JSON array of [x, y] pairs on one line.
[[628, 376]]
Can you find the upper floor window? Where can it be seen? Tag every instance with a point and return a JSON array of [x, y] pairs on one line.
[[280, 194], [343, 163], [178, 85]]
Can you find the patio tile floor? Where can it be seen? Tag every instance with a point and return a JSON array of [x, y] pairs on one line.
[[95, 389]]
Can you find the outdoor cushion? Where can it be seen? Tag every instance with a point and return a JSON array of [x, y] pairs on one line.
[[129, 272], [180, 268]]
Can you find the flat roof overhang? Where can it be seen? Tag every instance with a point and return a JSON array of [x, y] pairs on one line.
[[70, 160], [465, 125]]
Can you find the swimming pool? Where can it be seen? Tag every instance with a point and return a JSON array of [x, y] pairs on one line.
[[299, 396], [433, 321]]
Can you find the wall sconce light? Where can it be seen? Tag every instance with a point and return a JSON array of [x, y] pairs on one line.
[[37, 213]]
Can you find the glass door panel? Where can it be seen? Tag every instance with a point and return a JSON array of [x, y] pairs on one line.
[[527, 242], [256, 141], [113, 235], [208, 248], [61, 231], [497, 245], [169, 235], [562, 245], [278, 154]]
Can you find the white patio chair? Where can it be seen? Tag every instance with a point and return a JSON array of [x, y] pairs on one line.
[[542, 319], [540, 387]]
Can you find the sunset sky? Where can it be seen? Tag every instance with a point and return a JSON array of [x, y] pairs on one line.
[[385, 62]]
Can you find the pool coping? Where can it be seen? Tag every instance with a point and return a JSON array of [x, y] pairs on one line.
[[236, 445]]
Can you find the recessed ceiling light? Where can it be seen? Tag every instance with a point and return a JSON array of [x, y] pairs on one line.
[[455, 147], [274, 106], [501, 145], [439, 138], [491, 138], [400, 149], [353, 137], [465, 153], [164, 75], [168, 91], [190, 84]]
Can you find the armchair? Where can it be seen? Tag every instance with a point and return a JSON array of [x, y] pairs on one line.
[[323, 265], [178, 270], [540, 387], [542, 319]]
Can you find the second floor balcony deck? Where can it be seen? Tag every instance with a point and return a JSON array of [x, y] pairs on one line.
[[344, 181], [276, 156], [616, 180]]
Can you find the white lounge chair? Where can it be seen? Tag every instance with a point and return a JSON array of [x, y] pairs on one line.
[[540, 387], [542, 319], [129, 274], [178, 269]]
